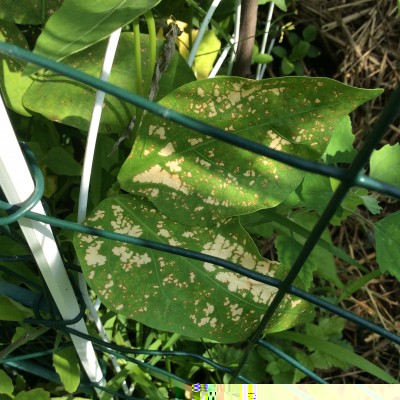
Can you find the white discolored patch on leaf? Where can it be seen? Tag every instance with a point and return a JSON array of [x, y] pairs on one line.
[[122, 225], [157, 130], [157, 175], [167, 150], [242, 285], [99, 215], [92, 257]]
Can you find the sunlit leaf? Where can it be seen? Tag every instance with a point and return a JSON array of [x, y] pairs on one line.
[[65, 362], [385, 164], [178, 294], [195, 179], [77, 25]]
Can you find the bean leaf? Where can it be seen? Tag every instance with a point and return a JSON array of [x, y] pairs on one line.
[[178, 294], [197, 180]]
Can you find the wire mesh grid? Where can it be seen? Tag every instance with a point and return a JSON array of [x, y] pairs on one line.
[[349, 178]]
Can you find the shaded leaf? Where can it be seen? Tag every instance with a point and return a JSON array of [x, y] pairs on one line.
[[179, 294], [77, 25], [12, 311], [67, 101], [27, 12], [13, 84], [387, 233], [279, 3], [310, 33], [339, 352], [61, 162], [195, 179], [385, 164]]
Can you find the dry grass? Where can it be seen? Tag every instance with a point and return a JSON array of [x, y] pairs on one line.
[[362, 37]]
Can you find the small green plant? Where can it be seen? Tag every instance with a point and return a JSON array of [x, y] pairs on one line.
[[299, 48]]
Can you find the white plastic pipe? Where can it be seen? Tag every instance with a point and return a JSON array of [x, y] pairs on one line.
[[17, 185], [262, 67], [202, 31]]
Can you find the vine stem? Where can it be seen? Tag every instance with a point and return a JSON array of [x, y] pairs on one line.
[[145, 89]]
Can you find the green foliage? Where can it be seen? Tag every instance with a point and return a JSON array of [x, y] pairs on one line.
[[182, 188], [299, 48], [12, 311], [71, 28], [66, 364], [385, 164], [387, 233]]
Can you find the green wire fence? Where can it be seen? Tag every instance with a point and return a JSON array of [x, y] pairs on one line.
[[348, 177]]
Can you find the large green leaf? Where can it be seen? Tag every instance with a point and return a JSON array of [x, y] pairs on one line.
[[178, 294], [64, 100], [385, 164], [28, 12], [387, 233], [79, 24], [195, 179], [13, 84]]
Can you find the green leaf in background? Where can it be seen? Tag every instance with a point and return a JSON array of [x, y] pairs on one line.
[[287, 66], [12, 311], [387, 233], [179, 294], [337, 351], [61, 162], [28, 12], [64, 100], [34, 394], [279, 3], [300, 50], [310, 33], [385, 164], [6, 384], [13, 84], [195, 179], [77, 25], [66, 364]]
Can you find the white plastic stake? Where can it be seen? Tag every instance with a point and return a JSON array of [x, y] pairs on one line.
[[17, 185], [262, 67], [85, 184], [202, 31]]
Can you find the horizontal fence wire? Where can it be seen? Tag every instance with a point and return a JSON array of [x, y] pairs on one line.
[[349, 177]]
